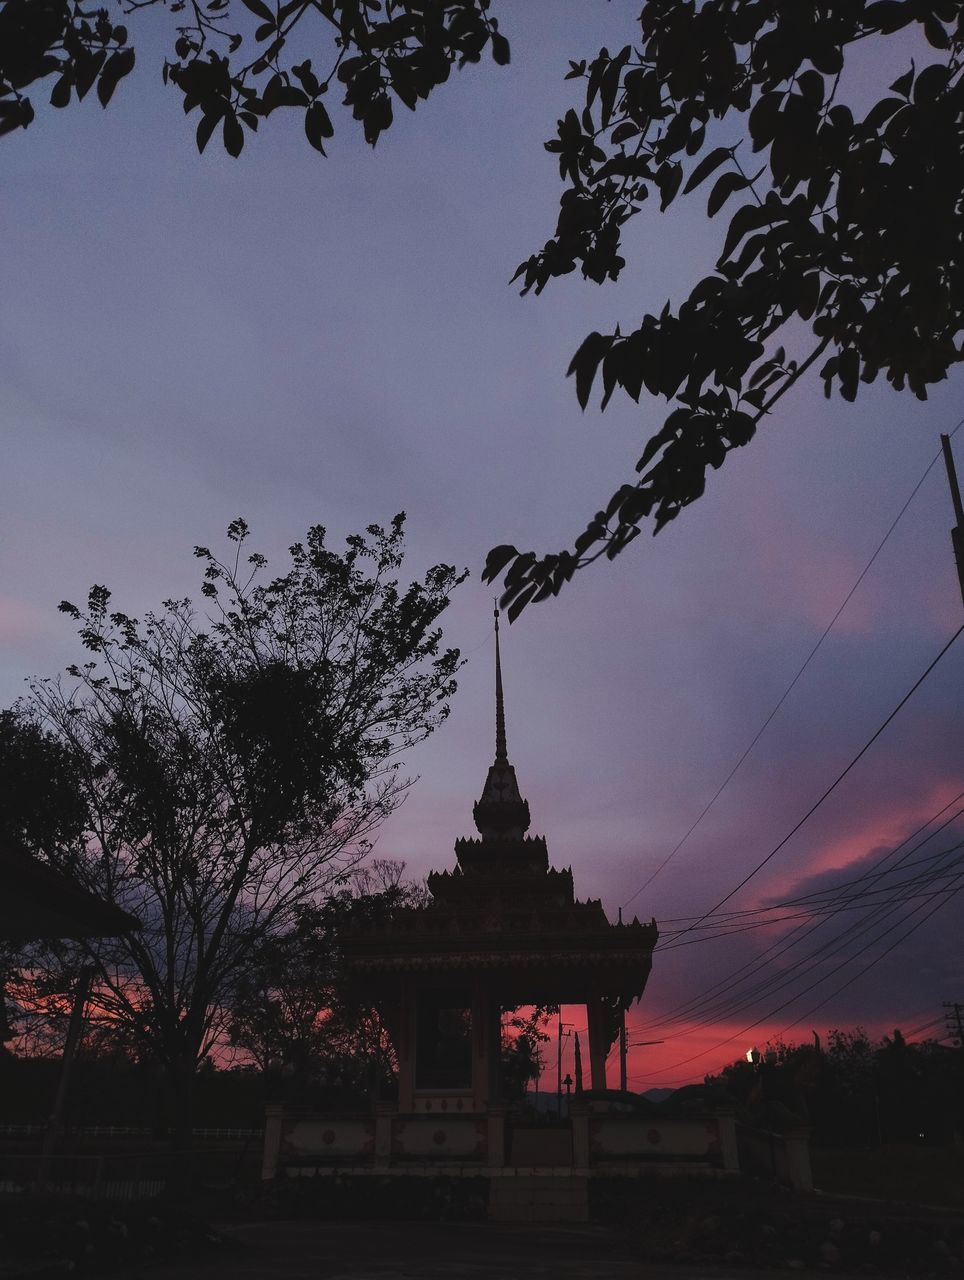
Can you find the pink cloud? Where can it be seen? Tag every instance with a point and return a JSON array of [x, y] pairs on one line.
[[20, 621], [889, 825]]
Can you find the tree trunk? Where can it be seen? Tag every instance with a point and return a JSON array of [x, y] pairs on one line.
[[180, 1093]]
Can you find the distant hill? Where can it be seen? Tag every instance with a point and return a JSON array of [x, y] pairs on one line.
[[545, 1101], [548, 1102]]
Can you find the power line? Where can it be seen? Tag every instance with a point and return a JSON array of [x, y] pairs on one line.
[[826, 950], [829, 948], [886, 952], [829, 909], [849, 960], [712, 1007], [820, 894], [782, 945], [786, 693], [926, 1027], [836, 782], [699, 1075], [760, 917]]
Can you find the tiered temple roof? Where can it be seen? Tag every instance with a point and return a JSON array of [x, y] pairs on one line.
[[504, 909]]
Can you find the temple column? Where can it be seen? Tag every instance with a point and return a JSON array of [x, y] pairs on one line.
[[598, 1046], [405, 1046], [485, 1045], [495, 1055]]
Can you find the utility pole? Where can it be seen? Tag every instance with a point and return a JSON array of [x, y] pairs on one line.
[[623, 1047], [954, 1019], [559, 1064], [957, 533], [622, 1051]]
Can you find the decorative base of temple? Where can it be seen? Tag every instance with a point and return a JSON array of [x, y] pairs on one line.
[[491, 1144]]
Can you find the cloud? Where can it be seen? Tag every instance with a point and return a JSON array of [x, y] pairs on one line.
[[871, 833], [20, 621]]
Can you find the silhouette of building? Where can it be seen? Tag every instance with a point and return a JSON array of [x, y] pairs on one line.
[[503, 929], [38, 902]]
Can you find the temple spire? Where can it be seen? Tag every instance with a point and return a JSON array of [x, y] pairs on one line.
[[500, 813], [501, 751]]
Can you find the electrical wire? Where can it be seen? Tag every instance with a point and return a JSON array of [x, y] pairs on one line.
[[786, 693], [818, 982], [817, 907], [830, 948], [798, 934], [829, 909], [836, 782], [819, 894], [827, 950]]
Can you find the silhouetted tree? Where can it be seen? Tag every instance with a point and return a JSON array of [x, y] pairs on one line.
[[856, 1091], [233, 768], [42, 807], [291, 1010], [523, 1036], [42, 803]]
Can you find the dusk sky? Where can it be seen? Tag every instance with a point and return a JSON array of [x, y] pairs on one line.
[[301, 340]]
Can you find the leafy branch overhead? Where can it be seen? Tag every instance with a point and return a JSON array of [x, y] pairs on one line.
[[841, 249], [235, 62], [846, 245]]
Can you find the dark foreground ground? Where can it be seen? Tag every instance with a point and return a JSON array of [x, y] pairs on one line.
[[657, 1229], [435, 1251]]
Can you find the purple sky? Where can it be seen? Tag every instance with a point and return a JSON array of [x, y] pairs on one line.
[[298, 340]]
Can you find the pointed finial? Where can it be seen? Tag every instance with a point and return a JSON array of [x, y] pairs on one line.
[[501, 751]]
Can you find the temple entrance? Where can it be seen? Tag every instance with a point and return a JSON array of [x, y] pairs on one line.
[[443, 1042], [538, 1145]]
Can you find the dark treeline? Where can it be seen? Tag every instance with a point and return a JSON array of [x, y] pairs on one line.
[[853, 1090], [115, 1091]]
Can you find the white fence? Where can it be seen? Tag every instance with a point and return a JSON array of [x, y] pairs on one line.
[[125, 1176], [120, 1131]]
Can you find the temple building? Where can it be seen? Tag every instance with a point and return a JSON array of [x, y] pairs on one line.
[[503, 929]]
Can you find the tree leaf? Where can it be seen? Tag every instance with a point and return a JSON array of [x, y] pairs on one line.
[[317, 125], [233, 134], [496, 561], [260, 10], [205, 127], [764, 119], [500, 49], [520, 601], [723, 189], [706, 167], [903, 83], [585, 363], [60, 93], [118, 65]]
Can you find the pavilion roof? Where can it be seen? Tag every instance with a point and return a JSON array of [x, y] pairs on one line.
[[38, 902], [506, 912]]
